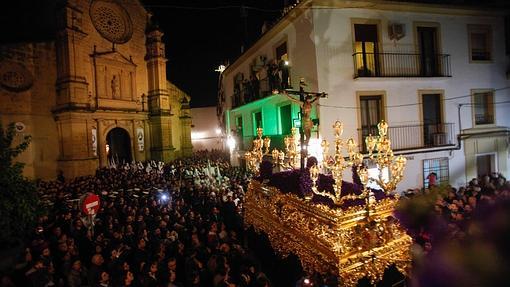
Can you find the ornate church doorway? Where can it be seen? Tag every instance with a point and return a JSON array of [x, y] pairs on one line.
[[118, 146]]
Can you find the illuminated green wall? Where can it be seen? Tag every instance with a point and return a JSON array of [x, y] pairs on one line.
[[271, 117]]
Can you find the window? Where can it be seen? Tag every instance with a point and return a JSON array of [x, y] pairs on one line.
[[238, 98], [371, 112], [480, 39], [485, 164], [281, 52], [483, 107], [366, 50], [257, 122], [435, 170], [282, 58]]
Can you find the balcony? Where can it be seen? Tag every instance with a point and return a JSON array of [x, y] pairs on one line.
[[369, 65], [414, 136], [252, 89]]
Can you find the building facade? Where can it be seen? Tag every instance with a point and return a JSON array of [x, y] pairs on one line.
[[206, 134], [96, 93], [439, 75]]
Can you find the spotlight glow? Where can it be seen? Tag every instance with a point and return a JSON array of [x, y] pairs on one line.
[[314, 148], [231, 142]]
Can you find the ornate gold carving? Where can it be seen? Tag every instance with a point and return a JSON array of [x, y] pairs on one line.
[[348, 242], [385, 158], [254, 157], [351, 242], [291, 158]]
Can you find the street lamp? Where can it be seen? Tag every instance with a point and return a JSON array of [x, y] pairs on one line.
[[220, 68]]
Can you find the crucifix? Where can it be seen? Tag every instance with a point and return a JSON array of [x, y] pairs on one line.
[[306, 99]]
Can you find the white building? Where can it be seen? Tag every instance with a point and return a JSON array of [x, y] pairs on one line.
[[439, 75], [205, 132]]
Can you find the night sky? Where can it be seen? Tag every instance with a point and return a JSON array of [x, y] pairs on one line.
[[201, 35]]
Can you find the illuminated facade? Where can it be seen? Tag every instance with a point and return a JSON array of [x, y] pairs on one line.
[[95, 94], [437, 74]]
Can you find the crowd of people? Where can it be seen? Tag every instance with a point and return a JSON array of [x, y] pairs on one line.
[[460, 234], [179, 224], [455, 207], [174, 225]]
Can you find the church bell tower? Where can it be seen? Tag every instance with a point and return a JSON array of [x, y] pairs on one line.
[[158, 99]]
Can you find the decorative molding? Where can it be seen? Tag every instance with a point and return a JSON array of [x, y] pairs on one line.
[[15, 77], [111, 20]]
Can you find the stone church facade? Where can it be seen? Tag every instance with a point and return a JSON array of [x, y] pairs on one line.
[[96, 94]]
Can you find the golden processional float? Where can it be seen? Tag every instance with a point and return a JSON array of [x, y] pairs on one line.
[[352, 241]]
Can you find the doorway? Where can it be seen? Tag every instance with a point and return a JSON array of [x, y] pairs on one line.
[[371, 113], [239, 132], [432, 119], [286, 119], [428, 48], [118, 146]]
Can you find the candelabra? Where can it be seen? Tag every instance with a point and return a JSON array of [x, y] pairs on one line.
[[384, 159], [336, 163], [291, 152], [259, 150]]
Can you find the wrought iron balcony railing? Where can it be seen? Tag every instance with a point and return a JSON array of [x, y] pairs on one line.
[[401, 65], [414, 136], [254, 89]]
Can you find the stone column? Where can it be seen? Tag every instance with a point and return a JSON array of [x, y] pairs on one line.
[[101, 144]]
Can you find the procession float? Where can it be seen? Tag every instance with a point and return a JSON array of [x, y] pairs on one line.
[[333, 226]]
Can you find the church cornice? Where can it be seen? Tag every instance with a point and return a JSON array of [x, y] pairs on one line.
[[86, 108], [112, 55], [102, 114], [161, 113]]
